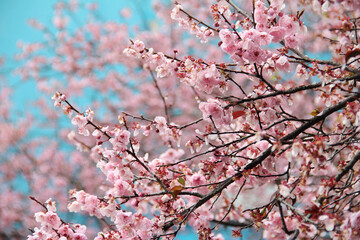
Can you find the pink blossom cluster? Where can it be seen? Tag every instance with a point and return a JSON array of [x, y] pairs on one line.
[[52, 227], [186, 22], [204, 78], [162, 65], [193, 72], [128, 225]]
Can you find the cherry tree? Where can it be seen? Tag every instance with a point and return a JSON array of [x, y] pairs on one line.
[[224, 113]]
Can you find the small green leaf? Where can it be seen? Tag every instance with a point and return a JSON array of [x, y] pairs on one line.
[[263, 211], [182, 181]]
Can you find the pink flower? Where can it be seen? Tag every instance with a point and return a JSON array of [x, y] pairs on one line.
[[172, 154], [275, 8], [52, 219], [66, 231], [355, 219], [161, 123], [283, 64], [211, 109], [125, 13], [228, 39], [129, 52], [83, 131], [35, 24], [89, 114], [120, 140], [218, 114], [146, 130], [74, 206], [143, 227], [51, 205], [329, 223], [292, 41], [122, 187], [208, 79], [175, 13], [139, 46], [79, 236], [197, 179], [253, 53], [58, 99], [124, 218], [259, 13], [97, 133], [290, 25], [91, 205], [79, 120], [163, 70], [278, 33], [259, 38]]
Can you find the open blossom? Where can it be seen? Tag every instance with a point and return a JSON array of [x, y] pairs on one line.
[[161, 123], [260, 38], [50, 219], [231, 44], [79, 120], [208, 79], [290, 25], [79, 236], [228, 41], [197, 179], [139, 46], [292, 41], [124, 218], [259, 14], [122, 188], [277, 32], [329, 223], [83, 201], [129, 52], [89, 114], [120, 140], [253, 53], [213, 109], [66, 231], [176, 11], [58, 99], [283, 64], [165, 69]]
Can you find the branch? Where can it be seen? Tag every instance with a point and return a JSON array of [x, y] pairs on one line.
[[263, 156], [349, 166], [161, 96], [292, 90]]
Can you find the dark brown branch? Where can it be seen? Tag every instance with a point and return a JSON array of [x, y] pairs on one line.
[[349, 166], [283, 220], [265, 154], [292, 90]]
